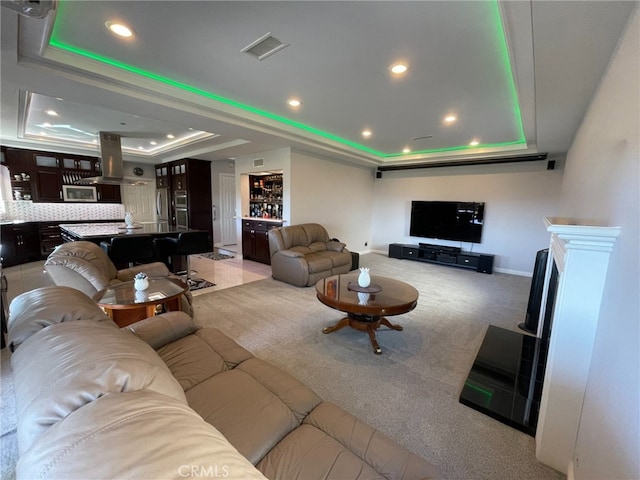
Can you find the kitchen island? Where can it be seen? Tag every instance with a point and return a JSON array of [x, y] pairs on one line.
[[104, 232], [96, 232]]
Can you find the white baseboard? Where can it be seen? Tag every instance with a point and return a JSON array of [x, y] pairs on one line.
[[513, 272]]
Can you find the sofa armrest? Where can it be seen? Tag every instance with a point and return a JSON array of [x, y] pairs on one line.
[[290, 267], [335, 246], [162, 329]]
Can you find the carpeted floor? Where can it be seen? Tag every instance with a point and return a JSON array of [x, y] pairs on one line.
[[411, 391]]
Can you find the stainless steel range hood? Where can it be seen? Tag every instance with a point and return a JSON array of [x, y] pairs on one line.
[[112, 163]]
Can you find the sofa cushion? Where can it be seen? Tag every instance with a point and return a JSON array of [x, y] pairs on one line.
[[206, 353], [34, 310], [337, 259], [332, 444], [308, 452], [299, 249], [255, 397], [66, 366], [317, 247], [137, 435], [317, 262]]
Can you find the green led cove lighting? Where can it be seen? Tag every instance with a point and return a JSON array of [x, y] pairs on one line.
[[55, 42]]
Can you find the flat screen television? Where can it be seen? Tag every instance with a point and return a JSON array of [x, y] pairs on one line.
[[460, 221]]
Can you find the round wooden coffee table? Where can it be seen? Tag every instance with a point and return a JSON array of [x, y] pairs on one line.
[[126, 305], [366, 311]]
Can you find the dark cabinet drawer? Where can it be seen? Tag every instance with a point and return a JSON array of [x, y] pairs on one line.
[[468, 260]]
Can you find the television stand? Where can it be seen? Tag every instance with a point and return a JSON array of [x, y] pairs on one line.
[[443, 255]]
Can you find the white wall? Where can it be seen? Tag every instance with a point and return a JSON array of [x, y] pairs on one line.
[[601, 181], [516, 196], [335, 195]]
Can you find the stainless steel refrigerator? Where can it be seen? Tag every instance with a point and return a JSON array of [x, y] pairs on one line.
[[163, 206]]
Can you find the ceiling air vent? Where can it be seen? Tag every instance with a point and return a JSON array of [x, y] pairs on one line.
[[258, 162], [264, 46]]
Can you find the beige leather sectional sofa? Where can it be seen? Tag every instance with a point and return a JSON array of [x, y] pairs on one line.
[[164, 399], [303, 254]]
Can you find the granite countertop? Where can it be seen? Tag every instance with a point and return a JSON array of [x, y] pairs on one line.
[[275, 220], [88, 230]]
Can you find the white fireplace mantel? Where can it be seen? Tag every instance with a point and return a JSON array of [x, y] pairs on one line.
[[580, 251]]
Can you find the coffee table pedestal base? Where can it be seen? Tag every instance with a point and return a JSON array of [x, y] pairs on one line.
[[364, 323]]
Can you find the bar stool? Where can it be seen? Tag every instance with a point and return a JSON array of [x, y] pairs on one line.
[[187, 243], [129, 249]]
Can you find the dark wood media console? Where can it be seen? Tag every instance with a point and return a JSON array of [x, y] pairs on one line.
[[451, 256]]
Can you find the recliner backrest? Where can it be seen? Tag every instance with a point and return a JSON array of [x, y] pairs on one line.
[[82, 265], [315, 233], [294, 236]]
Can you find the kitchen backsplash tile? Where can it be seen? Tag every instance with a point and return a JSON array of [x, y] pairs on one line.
[[44, 212]]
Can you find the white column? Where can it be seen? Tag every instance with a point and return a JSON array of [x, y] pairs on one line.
[[580, 251]]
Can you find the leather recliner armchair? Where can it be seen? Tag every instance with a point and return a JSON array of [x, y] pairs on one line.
[[303, 254], [86, 267]]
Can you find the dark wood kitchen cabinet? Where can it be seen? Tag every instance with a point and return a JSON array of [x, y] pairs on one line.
[[109, 193], [193, 178], [48, 171], [255, 240], [48, 186], [50, 237], [20, 243]]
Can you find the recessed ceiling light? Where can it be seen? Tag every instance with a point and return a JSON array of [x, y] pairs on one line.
[[53, 113], [398, 68], [119, 29], [140, 147], [46, 124], [294, 102], [366, 133], [170, 135], [406, 150], [473, 143], [450, 118], [153, 143]]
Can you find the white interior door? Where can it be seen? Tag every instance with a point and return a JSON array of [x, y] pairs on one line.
[[140, 201], [228, 208]]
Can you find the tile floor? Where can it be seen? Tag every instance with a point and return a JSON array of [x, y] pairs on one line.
[[224, 273]]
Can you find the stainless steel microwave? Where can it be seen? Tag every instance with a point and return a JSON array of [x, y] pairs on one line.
[[79, 193]]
